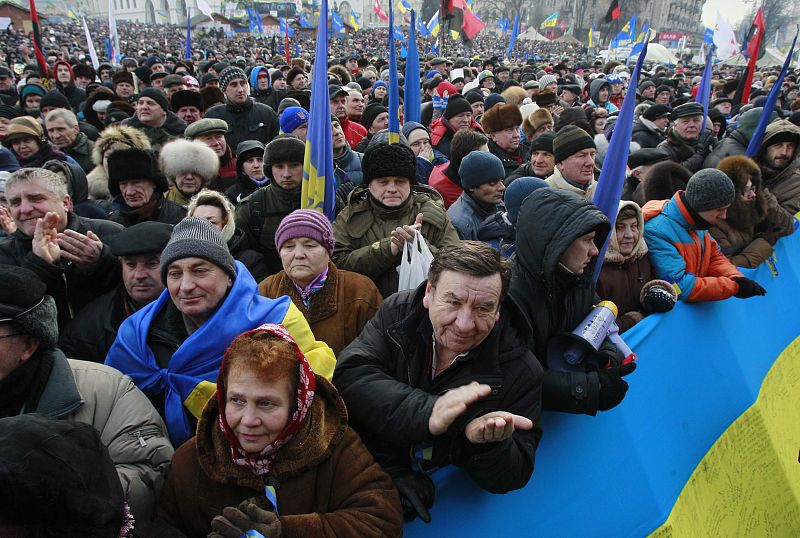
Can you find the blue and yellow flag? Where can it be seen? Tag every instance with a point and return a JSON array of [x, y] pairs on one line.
[[404, 6], [319, 181], [354, 21], [591, 36], [411, 101], [433, 25], [394, 87], [550, 22]]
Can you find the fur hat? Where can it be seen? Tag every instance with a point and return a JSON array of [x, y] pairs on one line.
[[184, 98], [116, 137], [133, 163], [546, 98], [534, 121], [501, 116], [293, 72], [216, 199], [744, 214], [384, 160], [181, 156], [83, 70], [663, 180], [283, 148], [122, 76]]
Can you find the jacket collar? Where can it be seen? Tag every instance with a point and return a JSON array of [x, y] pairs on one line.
[[324, 304], [60, 397]]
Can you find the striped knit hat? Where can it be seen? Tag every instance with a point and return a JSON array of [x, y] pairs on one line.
[[228, 74], [194, 237], [569, 141]]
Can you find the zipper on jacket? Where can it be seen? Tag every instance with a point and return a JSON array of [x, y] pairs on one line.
[[142, 434]]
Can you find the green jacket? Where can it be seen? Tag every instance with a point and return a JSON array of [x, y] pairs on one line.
[[363, 233]]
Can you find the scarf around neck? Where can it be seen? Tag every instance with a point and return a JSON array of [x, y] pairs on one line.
[[307, 293]]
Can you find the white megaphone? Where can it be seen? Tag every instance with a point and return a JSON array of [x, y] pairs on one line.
[[566, 352]]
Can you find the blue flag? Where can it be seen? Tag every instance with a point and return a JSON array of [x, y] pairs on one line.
[[612, 176], [187, 55], [512, 42], [304, 22], [769, 106], [337, 24], [319, 182], [259, 22], [411, 101], [285, 27], [394, 87], [704, 91], [398, 33], [708, 36]]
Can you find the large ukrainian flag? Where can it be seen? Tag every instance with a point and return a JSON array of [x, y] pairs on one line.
[[319, 183]]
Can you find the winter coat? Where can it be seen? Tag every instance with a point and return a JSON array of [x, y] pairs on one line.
[[363, 233], [646, 134], [228, 171], [354, 132], [467, 215], [135, 435], [243, 186], [47, 152], [524, 170], [425, 167], [384, 377], [554, 300], [685, 255], [690, 156], [784, 184], [326, 482], [348, 167], [81, 151], [176, 196], [172, 127], [447, 183], [240, 249], [510, 162], [338, 311], [442, 134], [557, 181], [72, 286], [272, 203], [622, 277], [76, 96], [733, 144], [165, 211], [247, 121]]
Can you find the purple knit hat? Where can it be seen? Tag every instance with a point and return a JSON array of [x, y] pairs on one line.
[[305, 223]]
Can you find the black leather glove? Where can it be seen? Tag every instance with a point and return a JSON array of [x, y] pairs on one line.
[[416, 495], [234, 522], [612, 386], [658, 296], [748, 288]]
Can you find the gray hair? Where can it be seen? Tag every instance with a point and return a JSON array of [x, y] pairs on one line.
[[68, 116], [52, 181]]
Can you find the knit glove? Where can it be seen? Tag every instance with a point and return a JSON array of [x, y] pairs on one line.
[[657, 296], [612, 386], [234, 522], [748, 288], [416, 495], [439, 102]]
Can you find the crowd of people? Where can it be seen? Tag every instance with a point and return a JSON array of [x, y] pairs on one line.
[[249, 365]]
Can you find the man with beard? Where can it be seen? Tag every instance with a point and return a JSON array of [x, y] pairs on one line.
[[780, 168]]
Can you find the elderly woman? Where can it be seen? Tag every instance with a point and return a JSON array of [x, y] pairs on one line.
[[26, 140], [383, 213], [189, 166], [273, 422], [218, 210], [336, 303]]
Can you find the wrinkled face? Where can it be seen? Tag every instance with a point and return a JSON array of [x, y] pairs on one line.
[[32, 200], [578, 255], [355, 105], [477, 108], [391, 191], [288, 174], [579, 167], [60, 133], [189, 183], [568, 96], [628, 234], [32, 102], [688, 127], [545, 128], [149, 112], [461, 120], [256, 411], [136, 192], [303, 259], [238, 91], [339, 106], [649, 92], [62, 74], [197, 287], [253, 167], [299, 82], [24, 148], [779, 156], [263, 82], [420, 141], [339, 141], [725, 108], [124, 89], [507, 139], [715, 216], [141, 276], [189, 114], [380, 122], [543, 163], [212, 214], [215, 141], [489, 193], [463, 309]]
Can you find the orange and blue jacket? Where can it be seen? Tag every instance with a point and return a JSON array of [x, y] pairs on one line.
[[687, 257]]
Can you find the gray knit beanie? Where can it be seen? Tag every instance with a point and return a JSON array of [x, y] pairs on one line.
[[194, 237], [229, 74], [709, 189]]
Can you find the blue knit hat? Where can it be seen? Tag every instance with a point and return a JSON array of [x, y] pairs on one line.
[[293, 117], [379, 84], [493, 99], [480, 167], [517, 191]]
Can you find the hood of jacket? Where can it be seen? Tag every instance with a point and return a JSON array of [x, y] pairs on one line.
[[548, 222], [78, 184], [613, 255], [594, 89], [254, 77]]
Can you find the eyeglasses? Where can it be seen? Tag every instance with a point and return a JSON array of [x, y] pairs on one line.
[[10, 335]]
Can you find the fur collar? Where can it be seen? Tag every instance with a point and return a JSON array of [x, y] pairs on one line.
[[613, 254]]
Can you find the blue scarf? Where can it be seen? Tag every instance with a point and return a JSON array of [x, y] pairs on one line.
[[197, 360]]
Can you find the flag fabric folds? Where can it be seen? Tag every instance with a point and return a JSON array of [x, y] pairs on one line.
[[591, 36], [638, 44], [397, 33], [337, 24], [512, 41], [708, 36], [612, 176], [724, 39], [113, 36], [354, 21], [205, 8], [90, 45], [319, 182], [187, 55], [404, 6], [37, 40], [772, 99], [394, 87], [550, 22], [704, 91], [411, 101], [433, 25], [626, 36], [755, 35], [376, 7], [304, 22], [613, 12], [285, 27]]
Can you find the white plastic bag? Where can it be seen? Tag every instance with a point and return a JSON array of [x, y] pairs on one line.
[[416, 261]]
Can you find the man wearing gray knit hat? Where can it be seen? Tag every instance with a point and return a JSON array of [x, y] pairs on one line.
[[574, 151], [681, 249], [193, 241]]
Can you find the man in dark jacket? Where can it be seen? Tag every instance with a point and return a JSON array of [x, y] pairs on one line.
[[558, 239], [686, 144], [443, 372], [63, 130], [65, 83], [246, 119], [65, 251], [542, 161], [155, 119], [649, 130], [92, 331], [482, 178], [501, 123], [737, 141]]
